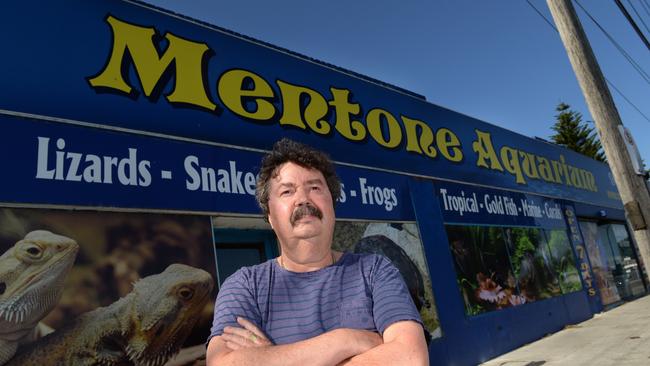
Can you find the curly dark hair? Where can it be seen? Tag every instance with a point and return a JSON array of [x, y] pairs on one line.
[[285, 151]]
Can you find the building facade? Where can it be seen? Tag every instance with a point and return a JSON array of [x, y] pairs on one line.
[[138, 134]]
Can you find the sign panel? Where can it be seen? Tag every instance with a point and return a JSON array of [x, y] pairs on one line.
[[579, 245], [463, 204], [128, 65], [59, 164]]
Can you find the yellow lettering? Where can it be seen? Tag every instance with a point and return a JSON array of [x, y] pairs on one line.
[[186, 56], [374, 120], [238, 89], [483, 147], [350, 129], [449, 145], [590, 181], [592, 292], [544, 168], [180, 66], [510, 160], [557, 169], [422, 145], [292, 108], [575, 177], [528, 163], [565, 169]]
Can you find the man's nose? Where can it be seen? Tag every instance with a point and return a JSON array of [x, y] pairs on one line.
[[302, 197]]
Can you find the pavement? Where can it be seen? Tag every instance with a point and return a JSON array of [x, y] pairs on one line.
[[620, 336]]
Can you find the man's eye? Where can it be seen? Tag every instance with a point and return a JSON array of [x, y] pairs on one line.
[[285, 193]]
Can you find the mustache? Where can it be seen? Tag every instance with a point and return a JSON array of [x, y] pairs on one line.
[[305, 210]]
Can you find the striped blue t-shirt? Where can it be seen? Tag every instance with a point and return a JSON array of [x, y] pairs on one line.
[[360, 291]]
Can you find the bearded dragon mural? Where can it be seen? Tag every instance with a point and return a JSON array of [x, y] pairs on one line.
[[146, 327], [32, 273]]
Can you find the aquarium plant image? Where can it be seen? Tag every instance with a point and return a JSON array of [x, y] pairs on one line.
[[499, 267]]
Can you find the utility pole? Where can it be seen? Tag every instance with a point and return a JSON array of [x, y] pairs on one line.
[[631, 186]]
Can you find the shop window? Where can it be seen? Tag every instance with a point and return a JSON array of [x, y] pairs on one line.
[[627, 276], [111, 260], [236, 256], [563, 260], [484, 274], [247, 241], [499, 267], [236, 248], [401, 244], [613, 260], [602, 262], [532, 263]]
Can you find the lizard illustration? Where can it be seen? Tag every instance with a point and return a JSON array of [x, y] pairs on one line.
[[146, 327], [31, 282]]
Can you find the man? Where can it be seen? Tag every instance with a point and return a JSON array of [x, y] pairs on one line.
[[312, 305]]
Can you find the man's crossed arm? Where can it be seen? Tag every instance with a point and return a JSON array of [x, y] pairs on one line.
[[402, 344]]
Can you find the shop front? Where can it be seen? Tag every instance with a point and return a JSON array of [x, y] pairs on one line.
[[131, 141]]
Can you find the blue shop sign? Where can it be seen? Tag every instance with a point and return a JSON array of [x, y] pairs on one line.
[[132, 66], [466, 204], [61, 164]]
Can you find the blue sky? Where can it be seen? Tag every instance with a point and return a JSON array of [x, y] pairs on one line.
[[498, 61]]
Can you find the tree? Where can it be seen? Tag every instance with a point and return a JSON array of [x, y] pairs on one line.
[[576, 135]]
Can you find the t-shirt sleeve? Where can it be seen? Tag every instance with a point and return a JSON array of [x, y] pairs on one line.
[[391, 298], [235, 299]]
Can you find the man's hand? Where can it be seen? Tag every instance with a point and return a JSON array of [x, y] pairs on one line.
[[248, 345], [403, 344], [246, 337]]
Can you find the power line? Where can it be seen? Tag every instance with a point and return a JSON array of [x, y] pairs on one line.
[[638, 15], [541, 15], [635, 65], [627, 100], [632, 23], [607, 80], [620, 49], [645, 6]]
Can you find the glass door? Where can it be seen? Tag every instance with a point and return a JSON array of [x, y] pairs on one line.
[[627, 273], [613, 261], [602, 263]]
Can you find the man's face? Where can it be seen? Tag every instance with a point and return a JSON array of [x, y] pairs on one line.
[[300, 206]]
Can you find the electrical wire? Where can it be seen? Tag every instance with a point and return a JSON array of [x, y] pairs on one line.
[[542, 15], [632, 22], [627, 100], [607, 80], [638, 15], [629, 58], [645, 6]]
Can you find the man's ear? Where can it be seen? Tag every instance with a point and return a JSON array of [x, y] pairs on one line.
[[270, 221]]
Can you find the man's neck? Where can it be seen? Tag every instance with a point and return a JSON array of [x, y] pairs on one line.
[[294, 264]]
